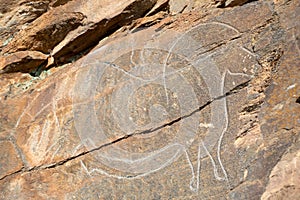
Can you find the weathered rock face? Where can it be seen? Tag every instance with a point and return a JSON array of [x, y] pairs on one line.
[[150, 100]]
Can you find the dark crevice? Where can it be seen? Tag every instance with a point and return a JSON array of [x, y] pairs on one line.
[[221, 4], [59, 3], [232, 91], [11, 174], [85, 42], [199, 109], [37, 72], [298, 100], [252, 107], [84, 153], [215, 46], [136, 27], [249, 1], [234, 3], [163, 7], [163, 26]]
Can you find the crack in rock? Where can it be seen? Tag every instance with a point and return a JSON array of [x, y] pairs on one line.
[[199, 109]]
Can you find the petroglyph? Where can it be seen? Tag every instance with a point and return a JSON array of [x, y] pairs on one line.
[[153, 92], [174, 107], [157, 79]]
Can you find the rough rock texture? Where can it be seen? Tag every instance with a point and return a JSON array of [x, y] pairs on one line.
[[16, 15], [45, 32], [28, 60], [149, 99]]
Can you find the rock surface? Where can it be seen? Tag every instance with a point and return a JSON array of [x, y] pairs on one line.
[[28, 60], [149, 99]]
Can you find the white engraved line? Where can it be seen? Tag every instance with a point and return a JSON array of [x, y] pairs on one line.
[[41, 110], [295, 38], [197, 176], [133, 177], [85, 168], [237, 74], [25, 110], [224, 130], [122, 70], [192, 169], [142, 56], [59, 128], [131, 56], [145, 80], [216, 174], [179, 38], [165, 65], [180, 146], [248, 51], [226, 123], [198, 166], [57, 149], [46, 124], [224, 24], [55, 115], [56, 142], [80, 145]]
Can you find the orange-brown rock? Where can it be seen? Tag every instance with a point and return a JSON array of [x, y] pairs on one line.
[[102, 17], [45, 32], [21, 61], [16, 15], [284, 179], [189, 101], [10, 160], [230, 3]]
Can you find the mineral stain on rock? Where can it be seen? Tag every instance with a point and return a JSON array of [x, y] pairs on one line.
[[159, 99]]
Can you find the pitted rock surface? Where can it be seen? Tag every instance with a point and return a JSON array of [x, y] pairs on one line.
[[150, 100]]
